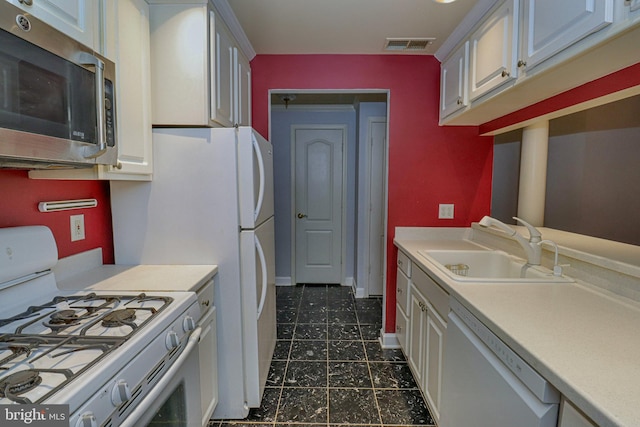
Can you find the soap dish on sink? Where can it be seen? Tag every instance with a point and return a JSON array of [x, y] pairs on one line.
[[459, 269]]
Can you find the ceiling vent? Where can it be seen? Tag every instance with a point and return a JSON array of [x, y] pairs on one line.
[[415, 44]]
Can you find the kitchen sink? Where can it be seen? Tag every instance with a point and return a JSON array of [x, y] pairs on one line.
[[488, 266]]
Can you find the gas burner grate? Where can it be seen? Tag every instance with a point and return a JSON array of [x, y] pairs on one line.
[[15, 383]]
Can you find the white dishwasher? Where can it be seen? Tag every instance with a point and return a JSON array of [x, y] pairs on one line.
[[486, 384]]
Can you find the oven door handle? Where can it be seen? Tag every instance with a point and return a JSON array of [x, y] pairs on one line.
[[151, 398]]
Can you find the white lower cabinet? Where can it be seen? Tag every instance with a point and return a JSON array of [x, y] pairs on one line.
[[427, 336], [418, 334], [402, 323], [420, 327], [432, 381], [572, 417], [402, 307]]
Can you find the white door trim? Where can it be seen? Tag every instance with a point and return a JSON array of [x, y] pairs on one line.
[[343, 243], [365, 217]]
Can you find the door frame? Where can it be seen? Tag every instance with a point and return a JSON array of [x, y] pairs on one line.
[[363, 233], [343, 190]]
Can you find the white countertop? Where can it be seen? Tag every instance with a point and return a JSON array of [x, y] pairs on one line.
[[85, 271], [146, 278], [585, 342]]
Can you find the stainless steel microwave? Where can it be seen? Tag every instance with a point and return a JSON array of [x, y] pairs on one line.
[[57, 100]]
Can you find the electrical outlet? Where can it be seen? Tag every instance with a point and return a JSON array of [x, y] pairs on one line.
[[445, 211], [77, 228]]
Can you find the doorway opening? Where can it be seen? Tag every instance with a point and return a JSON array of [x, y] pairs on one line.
[[299, 122]]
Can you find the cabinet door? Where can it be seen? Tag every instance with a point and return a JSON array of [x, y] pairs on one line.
[[180, 64], [243, 89], [401, 329], [76, 18], [223, 94], [493, 50], [551, 26], [432, 381], [133, 91], [453, 82], [417, 331]]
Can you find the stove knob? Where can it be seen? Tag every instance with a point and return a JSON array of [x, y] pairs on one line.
[[172, 340], [188, 324], [120, 393], [87, 419]]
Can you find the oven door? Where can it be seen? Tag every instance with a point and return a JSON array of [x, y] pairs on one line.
[[175, 399]]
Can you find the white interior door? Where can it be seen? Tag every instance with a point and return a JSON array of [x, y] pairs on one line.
[[377, 184], [318, 202]]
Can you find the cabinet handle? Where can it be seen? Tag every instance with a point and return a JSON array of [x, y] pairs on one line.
[[505, 73], [400, 291], [522, 63], [459, 101], [398, 329], [400, 263], [27, 2]]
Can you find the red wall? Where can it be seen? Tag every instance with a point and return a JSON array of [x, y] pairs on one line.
[[428, 164], [19, 198]]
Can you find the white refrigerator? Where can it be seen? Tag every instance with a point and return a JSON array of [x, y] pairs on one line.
[[211, 202]]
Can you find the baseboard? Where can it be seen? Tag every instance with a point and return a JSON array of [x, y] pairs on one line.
[[359, 293], [283, 281], [389, 340]]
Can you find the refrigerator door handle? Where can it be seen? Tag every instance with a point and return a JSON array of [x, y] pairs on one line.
[[263, 266], [256, 147]]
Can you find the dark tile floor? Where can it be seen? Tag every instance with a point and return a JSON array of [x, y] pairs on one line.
[[328, 367]]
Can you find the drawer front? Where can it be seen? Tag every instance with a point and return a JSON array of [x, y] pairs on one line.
[[205, 297], [401, 328], [437, 296], [402, 290], [404, 263]]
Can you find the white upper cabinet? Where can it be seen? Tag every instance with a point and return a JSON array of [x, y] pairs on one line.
[[453, 78], [550, 26], [243, 86], [525, 51], [76, 18], [224, 75], [493, 50], [194, 63], [133, 92]]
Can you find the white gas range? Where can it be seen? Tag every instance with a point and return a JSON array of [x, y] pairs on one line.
[[116, 358]]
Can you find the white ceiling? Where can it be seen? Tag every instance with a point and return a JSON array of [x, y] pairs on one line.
[[345, 26]]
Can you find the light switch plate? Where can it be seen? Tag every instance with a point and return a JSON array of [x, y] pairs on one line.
[[445, 211]]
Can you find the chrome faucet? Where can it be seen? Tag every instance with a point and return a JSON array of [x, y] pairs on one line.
[[532, 247]]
